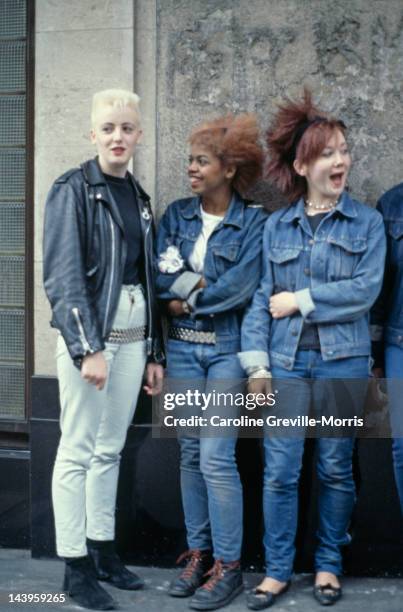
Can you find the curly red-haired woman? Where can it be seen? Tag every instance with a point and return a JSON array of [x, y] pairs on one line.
[[209, 267]]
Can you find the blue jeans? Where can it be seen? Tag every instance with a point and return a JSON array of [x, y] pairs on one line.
[[394, 372], [283, 459], [210, 483]]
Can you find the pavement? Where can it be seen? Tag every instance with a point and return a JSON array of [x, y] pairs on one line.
[[19, 574]]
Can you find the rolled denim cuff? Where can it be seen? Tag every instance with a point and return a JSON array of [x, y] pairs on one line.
[[305, 302], [250, 360], [192, 298], [184, 284]]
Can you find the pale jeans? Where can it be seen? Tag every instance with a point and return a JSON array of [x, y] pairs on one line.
[[94, 426]]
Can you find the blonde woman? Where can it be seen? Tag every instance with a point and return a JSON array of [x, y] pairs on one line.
[[98, 278]]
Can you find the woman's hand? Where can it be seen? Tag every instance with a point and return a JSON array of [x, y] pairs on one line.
[[154, 378], [201, 284], [378, 372], [94, 370], [175, 308], [283, 304], [259, 385]]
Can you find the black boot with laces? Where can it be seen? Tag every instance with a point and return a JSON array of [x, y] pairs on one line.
[[193, 574], [224, 584]]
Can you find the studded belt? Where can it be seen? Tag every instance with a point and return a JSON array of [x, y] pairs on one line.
[[124, 336], [191, 335]]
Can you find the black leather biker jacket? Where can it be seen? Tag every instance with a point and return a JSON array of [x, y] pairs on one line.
[[84, 259]]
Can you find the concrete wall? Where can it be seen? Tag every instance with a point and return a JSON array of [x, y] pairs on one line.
[[237, 55], [82, 46]]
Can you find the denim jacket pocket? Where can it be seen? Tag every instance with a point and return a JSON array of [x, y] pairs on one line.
[[283, 254], [225, 256], [285, 268], [395, 229], [349, 252], [395, 232]]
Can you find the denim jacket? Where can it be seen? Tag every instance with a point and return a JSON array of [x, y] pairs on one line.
[[232, 266], [387, 312], [336, 275]]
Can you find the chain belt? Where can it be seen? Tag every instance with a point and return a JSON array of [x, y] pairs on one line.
[[191, 335], [124, 336]]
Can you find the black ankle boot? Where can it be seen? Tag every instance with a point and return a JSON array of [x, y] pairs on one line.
[[80, 583], [109, 567], [193, 574], [223, 585]]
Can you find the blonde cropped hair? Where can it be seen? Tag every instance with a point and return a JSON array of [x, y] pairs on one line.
[[117, 98]]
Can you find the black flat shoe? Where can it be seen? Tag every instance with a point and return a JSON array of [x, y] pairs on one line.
[[326, 594], [259, 599]]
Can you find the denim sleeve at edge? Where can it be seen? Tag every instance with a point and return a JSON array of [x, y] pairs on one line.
[[257, 320], [379, 311], [177, 285]]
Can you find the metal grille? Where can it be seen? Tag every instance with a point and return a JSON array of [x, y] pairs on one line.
[[12, 173], [13, 24], [12, 18], [12, 280], [12, 391], [12, 120], [12, 335], [12, 226], [12, 65]]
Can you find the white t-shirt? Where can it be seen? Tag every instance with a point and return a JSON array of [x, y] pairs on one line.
[[210, 222]]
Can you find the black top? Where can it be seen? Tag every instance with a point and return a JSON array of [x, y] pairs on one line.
[[309, 339], [125, 198], [314, 220]]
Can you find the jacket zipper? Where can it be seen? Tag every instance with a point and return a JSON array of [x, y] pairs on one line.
[[111, 279], [84, 341], [149, 341]]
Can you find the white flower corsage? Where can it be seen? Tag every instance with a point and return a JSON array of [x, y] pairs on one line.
[[170, 261]]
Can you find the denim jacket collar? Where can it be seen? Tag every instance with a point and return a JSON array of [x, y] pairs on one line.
[[233, 216], [345, 207]]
